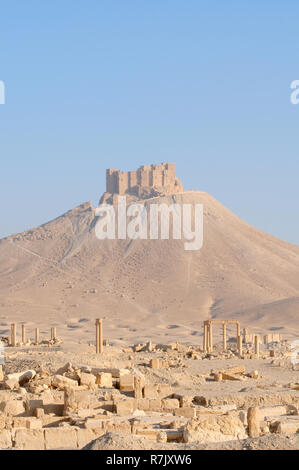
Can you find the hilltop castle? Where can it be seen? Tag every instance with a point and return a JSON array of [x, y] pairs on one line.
[[147, 181]]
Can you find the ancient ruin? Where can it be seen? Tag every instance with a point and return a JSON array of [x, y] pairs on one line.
[[146, 393], [147, 181]]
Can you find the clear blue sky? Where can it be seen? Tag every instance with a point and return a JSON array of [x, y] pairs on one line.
[[119, 83]]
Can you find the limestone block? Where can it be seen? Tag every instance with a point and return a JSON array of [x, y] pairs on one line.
[[213, 428], [186, 412], [61, 382], [164, 390], [19, 422], [84, 437], [34, 423], [123, 427], [5, 439], [170, 404], [92, 423], [155, 363], [12, 407], [39, 412], [87, 379], [32, 405], [151, 434], [150, 391], [26, 439], [288, 428], [155, 404], [115, 372], [60, 438], [126, 383], [142, 404], [125, 407], [2, 422], [174, 435], [12, 384], [272, 411], [55, 408], [104, 379]]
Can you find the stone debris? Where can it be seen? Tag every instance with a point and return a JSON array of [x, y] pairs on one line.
[[70, 406]]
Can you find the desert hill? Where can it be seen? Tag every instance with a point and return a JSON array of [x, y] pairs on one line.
[[61, 274]]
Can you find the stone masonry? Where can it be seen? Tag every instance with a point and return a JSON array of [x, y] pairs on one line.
[[147, 181]]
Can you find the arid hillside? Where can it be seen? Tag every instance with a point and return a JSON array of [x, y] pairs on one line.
[[61, 274]]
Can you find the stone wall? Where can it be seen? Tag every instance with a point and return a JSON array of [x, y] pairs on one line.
[[144, 181]]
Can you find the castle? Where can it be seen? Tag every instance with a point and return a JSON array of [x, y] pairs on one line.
[[147, 181]]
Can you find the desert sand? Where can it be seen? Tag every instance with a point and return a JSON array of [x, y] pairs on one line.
[[60, 274]]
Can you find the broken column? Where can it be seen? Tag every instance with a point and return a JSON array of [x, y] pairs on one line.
[[224, 336], [240, 345], [53, 334], [13, 334], [23, 334], [205, 337], [36, 335], [256, 346], [238, 329], [209, 337], [253, 419], [99, 335], [138, 386]]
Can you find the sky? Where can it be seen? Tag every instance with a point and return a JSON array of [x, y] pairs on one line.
[[95, 84]]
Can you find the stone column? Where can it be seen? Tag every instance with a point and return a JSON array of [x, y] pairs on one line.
[[24, 334], [253, 420], [211, 337], [256, 346], [70, 403], [240, 345], [53, 333], [205, 337], [99, 335], [13, 334], [224, 336], [138, 386], [36, 335]]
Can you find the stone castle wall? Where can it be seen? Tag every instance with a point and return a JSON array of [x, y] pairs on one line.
[[159, 177]]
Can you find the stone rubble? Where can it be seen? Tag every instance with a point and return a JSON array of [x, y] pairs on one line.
[[73, 405]]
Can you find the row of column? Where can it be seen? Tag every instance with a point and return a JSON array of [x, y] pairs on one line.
[[99, 335], [208, 337], [13, 338]]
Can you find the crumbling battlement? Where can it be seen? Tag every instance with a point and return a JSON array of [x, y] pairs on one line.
[[147, 181]]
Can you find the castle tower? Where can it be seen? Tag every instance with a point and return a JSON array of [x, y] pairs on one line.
[[146, 181]]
